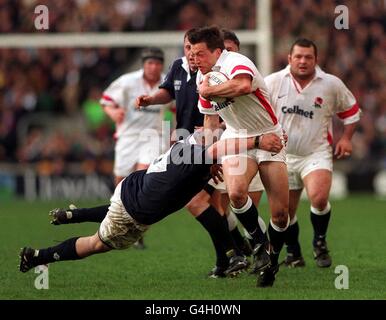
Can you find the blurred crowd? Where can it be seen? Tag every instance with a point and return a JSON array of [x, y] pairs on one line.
[[67, 83], [356, 55]]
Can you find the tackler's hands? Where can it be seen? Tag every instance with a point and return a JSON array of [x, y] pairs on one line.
[[216, 172], [270, 142]]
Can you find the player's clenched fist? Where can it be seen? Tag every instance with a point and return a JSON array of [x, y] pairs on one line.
[[143, 101]]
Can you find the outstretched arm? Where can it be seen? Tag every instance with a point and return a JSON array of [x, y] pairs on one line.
[[162, 96], [268, 142]]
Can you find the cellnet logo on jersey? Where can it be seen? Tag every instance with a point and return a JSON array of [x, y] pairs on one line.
[[298, 110], [221, 105]]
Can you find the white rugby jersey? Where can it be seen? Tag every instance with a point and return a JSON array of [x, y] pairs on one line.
[[124, 91], [306, 114], [252, 112]]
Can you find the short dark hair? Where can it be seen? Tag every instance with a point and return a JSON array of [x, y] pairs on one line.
[[189, 32], [152, 53], [230, 35], [212, 36], [305, 43]]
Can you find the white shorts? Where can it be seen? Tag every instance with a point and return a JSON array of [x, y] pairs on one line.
[[254, 186], [118, 229], [299, 166], [133, 149], [258, 154]]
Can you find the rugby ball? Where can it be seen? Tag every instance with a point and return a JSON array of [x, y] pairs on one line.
[[215, 78]]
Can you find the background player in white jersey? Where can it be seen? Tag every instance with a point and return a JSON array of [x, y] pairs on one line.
[[138, 139], [306, 98], [138, 132], [246, 112]]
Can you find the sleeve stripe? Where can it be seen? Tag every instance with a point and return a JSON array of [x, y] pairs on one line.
[[240, 67], [329, 138], [107, 98], [205, 103], [266, 105], [350, 112]]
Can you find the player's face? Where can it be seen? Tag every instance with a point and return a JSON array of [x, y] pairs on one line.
[[152, 69], [302, 62], [204, 58], [231, 46], [189, 55]]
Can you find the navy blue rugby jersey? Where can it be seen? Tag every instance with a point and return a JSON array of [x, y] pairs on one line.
[[170, 182], [180, 82]]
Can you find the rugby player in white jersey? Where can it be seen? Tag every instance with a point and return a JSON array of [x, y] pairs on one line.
[[246, 112], [306, 99], [138, 132]]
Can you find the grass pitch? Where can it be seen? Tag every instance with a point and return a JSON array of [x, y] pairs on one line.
[[179, 255]]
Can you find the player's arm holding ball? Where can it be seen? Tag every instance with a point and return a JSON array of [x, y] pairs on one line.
[[238, 86]]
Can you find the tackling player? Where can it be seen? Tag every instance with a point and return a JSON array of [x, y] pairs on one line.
[[147, 196]]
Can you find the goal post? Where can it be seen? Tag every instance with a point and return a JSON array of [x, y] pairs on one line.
[[261, 38]]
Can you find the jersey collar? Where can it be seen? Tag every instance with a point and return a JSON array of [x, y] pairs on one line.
[[185, 66], [220, 60], [319, 73]]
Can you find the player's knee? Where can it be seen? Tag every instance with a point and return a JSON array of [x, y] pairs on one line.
[[96, 245], [319, 202], [238, 197], [281, 219]]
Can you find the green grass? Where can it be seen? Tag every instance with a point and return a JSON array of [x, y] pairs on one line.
[[179, 255]]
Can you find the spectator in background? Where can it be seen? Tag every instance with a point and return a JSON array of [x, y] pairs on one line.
[[57, 81]]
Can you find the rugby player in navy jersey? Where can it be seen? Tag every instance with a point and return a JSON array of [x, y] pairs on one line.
[[147, 196]]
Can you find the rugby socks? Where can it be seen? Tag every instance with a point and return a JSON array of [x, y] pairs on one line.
[[217, 227], [232, 226], [319, 220], [292, 238], [277, 238], [248, 216], [96, 214], [63, 251]]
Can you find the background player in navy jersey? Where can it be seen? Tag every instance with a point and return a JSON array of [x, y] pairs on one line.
[[147, 196]]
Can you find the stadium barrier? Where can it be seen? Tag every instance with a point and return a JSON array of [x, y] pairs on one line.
[[26, 182]]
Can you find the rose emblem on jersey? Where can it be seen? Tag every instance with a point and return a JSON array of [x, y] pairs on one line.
[[318, 102]]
